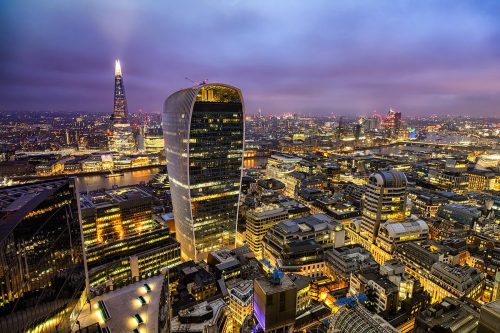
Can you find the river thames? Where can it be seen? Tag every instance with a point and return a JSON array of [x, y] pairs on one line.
[[132, 177]]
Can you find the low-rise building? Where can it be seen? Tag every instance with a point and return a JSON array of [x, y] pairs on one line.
[[344, 260], [449, 315], [298, 245]]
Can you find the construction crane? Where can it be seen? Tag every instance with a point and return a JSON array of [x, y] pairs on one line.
[[203, 82]]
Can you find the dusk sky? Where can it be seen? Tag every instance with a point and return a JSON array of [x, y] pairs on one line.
[[318, 57]]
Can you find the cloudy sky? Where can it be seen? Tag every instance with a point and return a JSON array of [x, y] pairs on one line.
[[310, 56]]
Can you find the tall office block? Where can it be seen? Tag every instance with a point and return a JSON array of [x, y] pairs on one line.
[[274, 303], [204, 135], [42, 276], [384, 199], [121, 138], [123, 243]]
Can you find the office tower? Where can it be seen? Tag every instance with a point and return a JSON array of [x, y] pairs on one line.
[[42, 275], [121, 138], [204, 134], [358, 132], [258, 222], [274, 303], [153, 139], [123, 244], [384, 199], [392, 123]]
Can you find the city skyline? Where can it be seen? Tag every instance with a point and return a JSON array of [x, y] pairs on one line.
[[420, 59]]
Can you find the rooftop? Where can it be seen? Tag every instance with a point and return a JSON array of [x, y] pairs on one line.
[[103, 198]]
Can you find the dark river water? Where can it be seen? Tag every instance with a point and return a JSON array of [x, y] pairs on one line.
[[95, 182]]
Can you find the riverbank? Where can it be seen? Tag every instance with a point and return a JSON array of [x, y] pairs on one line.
[[83, 174]]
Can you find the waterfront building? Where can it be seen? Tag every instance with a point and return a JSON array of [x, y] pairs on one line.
[[204, 134], [121, 138], [153, 139], [42, 276], [123, 243]]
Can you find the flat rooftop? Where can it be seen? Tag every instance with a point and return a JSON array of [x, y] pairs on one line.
[[269, 287], [123, 304], [113, 196]]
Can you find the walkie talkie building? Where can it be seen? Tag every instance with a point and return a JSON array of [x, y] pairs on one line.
[[204, 136]]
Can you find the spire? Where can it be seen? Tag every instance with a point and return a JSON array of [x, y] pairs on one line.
[[118, 68]]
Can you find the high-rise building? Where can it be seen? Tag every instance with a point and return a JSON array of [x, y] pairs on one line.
[[392, 123], [123, 243], [42, 276], [258, 222], [274, 303], [384, 199], [153, 139], [121, 138], [204, 134]]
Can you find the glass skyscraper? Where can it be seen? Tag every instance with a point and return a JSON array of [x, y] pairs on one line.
[[204, 136], [42, 276], [121, 138]]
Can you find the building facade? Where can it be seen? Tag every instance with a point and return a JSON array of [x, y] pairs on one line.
[[298, 245], [42, 277], [121, 138], [204, 136], [123, 243], [384, 199], [258, 222]]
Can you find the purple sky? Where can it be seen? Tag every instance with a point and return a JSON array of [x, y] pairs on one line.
[[318, 57]]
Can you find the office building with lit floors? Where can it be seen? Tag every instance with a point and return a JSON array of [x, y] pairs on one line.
[[384, 199], [42, 276], [274, 303], [203, 128], [123, 243]]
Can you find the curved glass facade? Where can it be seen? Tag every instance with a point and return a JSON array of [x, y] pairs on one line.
[[204, 136]]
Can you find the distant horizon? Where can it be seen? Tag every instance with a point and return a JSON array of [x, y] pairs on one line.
[[350, 58], [331, 116]]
